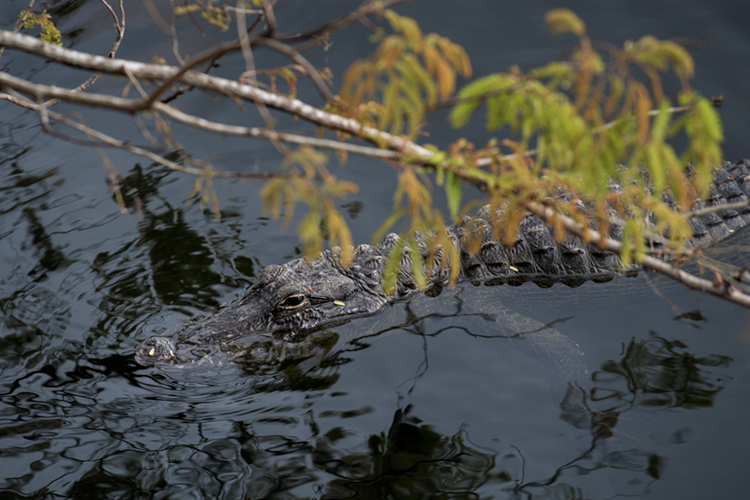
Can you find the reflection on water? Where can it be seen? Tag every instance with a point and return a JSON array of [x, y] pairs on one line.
[[662, 373], [107, 428]]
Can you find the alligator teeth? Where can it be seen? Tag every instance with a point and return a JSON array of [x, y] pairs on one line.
[[339, 303]]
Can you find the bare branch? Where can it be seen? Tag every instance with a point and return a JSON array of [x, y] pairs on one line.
[[270, 17], [247, 53], [47, 91], [156, 16], [718, 208], [173, 35], [314, 36], [263, 133], [119, 26], [246, 11], [130, 105], [24, 103], [288, 51], [228, 87]]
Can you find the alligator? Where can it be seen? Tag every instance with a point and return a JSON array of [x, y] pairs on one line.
[[290, 301], [281, 315]]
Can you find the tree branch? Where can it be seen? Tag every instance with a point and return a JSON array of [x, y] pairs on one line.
[[263, 133], [718, 208], [270, 17], [206, 82], [129, 105]]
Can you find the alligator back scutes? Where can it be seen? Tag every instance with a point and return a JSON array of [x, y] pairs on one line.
[[537, 257]]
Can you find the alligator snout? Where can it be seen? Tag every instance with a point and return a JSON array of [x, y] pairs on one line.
[[156, 350]]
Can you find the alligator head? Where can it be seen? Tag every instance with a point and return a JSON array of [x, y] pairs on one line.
[[287, 302], [301, 295]]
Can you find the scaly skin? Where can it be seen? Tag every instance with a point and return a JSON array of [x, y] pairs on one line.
[[300, 297]]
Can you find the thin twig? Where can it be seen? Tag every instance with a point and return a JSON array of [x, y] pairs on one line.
[[718, 208], [20, 22], [134, 81], [312, 72], [675, 309], [213, 62], [156, 16], [247, 54], [314, 36], [120, 28], [270, 17], [173, 35], [210, 54]]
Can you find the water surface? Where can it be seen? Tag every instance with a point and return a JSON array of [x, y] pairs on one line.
[[430, 405]]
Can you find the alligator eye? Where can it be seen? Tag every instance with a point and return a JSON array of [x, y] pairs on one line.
[[293, 301]]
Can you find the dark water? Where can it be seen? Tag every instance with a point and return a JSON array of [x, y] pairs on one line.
[[432, 407]]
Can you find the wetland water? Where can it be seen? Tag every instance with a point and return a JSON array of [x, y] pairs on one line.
[[432, 406]]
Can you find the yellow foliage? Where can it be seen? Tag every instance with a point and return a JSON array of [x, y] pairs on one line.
[[308, 180], [408, 71], [49, 32], [563, 21], [584, 117], [181, 10], [575, 126]]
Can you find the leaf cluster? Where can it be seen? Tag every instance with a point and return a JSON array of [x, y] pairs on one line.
[[427, 244], [407, 73], [567, 131], [307, 179], [590, 121], [574, 127], [49, 32]]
